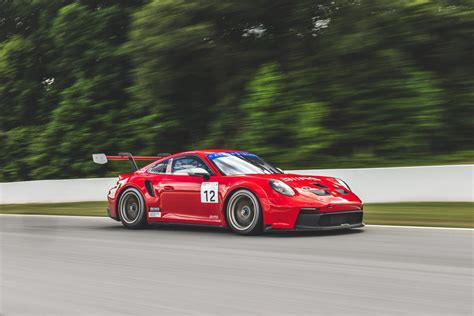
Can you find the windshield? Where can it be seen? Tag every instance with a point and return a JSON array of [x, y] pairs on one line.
[[234, 163]]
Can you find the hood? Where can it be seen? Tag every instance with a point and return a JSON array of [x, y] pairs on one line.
[[298, 180], [321, 188]]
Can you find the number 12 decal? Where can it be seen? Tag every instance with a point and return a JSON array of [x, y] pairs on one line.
[[209, 192]]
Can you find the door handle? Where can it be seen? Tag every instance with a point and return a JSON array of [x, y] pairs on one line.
[[168, 188]]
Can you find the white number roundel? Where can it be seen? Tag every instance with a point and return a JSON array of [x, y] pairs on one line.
[[209, 192]]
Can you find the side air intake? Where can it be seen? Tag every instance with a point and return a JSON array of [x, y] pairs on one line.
[[149, 187]]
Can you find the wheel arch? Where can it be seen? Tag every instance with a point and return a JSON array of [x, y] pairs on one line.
[[122, 191], [254, 189]]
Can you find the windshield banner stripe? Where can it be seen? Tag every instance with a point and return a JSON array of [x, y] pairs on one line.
[[237, 153]]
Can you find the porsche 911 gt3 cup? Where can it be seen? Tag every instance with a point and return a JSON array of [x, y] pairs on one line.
[[228, 188]]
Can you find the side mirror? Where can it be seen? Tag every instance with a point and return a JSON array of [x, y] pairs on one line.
[[199, 172]]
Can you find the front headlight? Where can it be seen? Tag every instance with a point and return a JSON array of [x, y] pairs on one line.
[[343, 183], [281, 187]]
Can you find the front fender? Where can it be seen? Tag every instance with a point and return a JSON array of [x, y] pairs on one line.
[[247, 185], [278, 210]]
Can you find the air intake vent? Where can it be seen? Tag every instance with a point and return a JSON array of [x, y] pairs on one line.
[[341, 191], [319, 185], [319, 192], [149, 187], [309, 210]]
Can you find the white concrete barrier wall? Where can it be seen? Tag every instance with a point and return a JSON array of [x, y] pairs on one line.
[[407, 184], [55, 191], [374, 185]]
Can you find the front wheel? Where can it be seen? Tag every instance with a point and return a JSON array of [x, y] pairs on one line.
[[244, 214], [132, 210]]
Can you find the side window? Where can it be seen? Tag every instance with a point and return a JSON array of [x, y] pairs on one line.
[[182, 164], [160, 167]]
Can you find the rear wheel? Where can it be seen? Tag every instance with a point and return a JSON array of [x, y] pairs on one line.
[[244, 214], [132, 210]]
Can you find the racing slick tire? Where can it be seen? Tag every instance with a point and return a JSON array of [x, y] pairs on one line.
[[244, 214], [131, 209]]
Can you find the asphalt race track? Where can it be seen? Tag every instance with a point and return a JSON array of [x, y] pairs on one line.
[[54, 265]]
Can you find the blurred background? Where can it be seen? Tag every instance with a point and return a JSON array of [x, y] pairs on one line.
[[305, 84]]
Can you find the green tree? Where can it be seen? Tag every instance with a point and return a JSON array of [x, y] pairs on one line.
[[304, 83], [383, 104], [280, 120], [92, 77], [179, 73]]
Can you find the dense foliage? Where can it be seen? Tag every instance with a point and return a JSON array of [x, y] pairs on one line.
[[308, 83]]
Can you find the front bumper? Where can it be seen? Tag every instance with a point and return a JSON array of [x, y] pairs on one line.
[[326, 221]]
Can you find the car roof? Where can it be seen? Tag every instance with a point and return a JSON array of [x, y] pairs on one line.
[[208, 151], [199, 152]]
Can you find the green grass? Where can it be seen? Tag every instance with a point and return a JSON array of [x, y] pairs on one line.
[[78, 208], [421, 214], [415, 214]]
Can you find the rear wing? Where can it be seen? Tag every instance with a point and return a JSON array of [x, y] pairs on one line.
[[103, 159]]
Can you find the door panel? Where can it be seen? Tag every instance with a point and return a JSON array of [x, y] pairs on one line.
[[181, 200]]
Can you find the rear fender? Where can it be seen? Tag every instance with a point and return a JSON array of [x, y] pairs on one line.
[[123, 184]]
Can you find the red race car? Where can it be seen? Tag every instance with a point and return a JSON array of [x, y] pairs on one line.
[[228, 188]]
